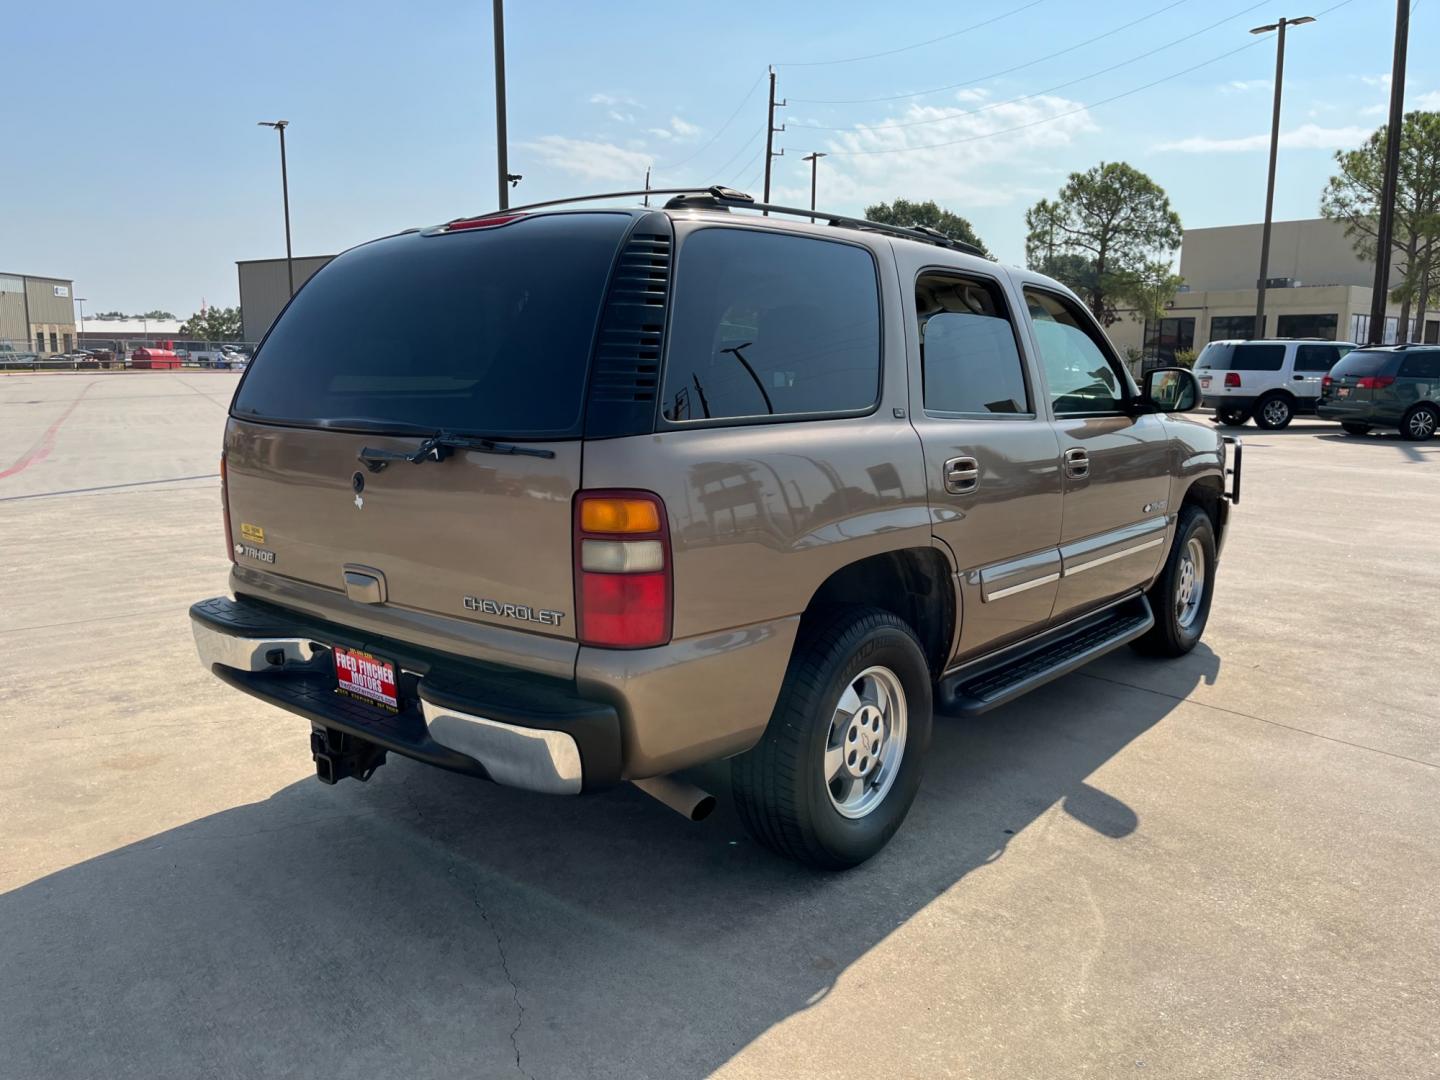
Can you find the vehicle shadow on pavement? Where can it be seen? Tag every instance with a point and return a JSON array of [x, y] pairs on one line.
[[426, 924]]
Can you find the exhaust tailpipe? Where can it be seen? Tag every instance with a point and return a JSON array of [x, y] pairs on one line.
[[687, 800]]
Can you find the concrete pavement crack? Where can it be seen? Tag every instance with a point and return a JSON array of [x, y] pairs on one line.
[[505, 967], [1263, 720]]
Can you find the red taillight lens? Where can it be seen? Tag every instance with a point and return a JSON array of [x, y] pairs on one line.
[[1232, 378], [1326, 383], [225, 510], [1374, 382], [623, 593], [492, 222]]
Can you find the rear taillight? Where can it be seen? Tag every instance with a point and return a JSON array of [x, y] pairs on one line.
[[225, 509], [1326, 383], [1374, 382], [1232, 378], [623, 574]]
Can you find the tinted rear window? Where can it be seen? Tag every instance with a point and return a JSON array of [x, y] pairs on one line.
[[771, 325], [1219, 356], [486, 332], [1421, 365], [1362, 362]]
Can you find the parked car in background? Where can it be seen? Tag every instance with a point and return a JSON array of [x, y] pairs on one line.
[[10, 355], [765, 507], [1272, 380], [1392, 387]]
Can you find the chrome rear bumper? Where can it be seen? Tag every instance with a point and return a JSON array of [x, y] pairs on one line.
[[292, 671]]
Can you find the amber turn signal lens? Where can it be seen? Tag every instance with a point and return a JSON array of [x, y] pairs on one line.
[[619, 516]]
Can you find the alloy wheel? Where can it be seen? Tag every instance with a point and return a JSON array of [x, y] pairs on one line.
[[866, 742]]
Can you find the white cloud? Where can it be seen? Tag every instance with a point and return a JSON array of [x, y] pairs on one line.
[[1427, 101], [1244, 86], [619, 117], [986, 147], [1376, 80], [589, 159], [683, 129], [613, 99], [1304, 137], [660, 133]]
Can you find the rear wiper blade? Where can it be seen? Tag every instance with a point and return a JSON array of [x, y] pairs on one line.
[[441, 445]]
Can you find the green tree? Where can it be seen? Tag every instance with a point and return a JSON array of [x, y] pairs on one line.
[[216, 324], [1150, 290], [1100, 232], [929, 213], [1352, 196], [156, 315]]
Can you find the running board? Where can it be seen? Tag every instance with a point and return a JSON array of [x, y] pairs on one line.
[[994, 680]]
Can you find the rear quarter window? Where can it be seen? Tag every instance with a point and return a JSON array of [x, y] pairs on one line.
[[1362, 362], [765, 324], [1425, 365], [486, 332], [1257, 358]]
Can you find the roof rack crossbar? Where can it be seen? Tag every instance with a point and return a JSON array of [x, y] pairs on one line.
[[729, 197]]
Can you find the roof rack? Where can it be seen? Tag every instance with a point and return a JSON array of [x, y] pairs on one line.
[[724, 198]]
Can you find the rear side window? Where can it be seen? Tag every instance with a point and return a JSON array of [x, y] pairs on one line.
[[969, 358], [1257, 358], [1362, 362], [1318, 357], [1424, 365], [486, 332], [771, 325]]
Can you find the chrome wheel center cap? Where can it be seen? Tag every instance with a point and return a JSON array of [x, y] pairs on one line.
[[864, 739]]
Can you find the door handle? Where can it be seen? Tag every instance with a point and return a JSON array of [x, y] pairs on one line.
[[962, 475], [1299, 378], [1077, 463]]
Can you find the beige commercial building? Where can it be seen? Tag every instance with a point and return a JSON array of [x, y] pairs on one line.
[[37, 314], [265, 289], [1318, 287]]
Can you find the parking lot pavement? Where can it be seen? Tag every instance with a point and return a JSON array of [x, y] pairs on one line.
[[1222, 866]]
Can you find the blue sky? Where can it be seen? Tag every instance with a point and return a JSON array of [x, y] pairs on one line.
[[135, 166]]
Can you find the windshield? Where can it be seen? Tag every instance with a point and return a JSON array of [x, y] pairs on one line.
[[1361, 362], [488, 332]]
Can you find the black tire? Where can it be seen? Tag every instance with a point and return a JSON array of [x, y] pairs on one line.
[[1274, 411], [779, 785], [1355, 429], [1232, 417], [1168, 637], [1420, 423]]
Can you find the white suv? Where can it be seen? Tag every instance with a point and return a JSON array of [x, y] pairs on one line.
[[1273, 380]]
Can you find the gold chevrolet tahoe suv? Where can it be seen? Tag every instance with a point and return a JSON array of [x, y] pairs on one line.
[[573, 495]]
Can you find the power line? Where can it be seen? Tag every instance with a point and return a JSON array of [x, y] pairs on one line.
[[718, 131], [1050, 119], [1073, 112], [720, 171], [918, 44], [1037, 93], [1017, 67]]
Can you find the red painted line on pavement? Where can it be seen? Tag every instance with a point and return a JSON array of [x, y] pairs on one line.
[[43, 445]]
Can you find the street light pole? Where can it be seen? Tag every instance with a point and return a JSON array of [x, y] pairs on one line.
[[280, 126], [1385, 227], [502, 163], [81, 301], [814, 159], [1259, 328]]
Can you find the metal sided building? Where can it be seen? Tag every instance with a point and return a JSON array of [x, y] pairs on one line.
[[265, 289], [37, 314]]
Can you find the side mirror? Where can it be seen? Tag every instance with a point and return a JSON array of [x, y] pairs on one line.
[[1171, 389]]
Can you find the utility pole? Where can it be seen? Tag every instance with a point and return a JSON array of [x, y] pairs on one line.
[[647, 186], [814, 159], [1385, 230], [1259, 329], [502, 164], [770, 130], [280, 126]]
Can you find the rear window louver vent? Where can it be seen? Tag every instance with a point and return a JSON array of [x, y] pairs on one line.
[[625, 377]]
